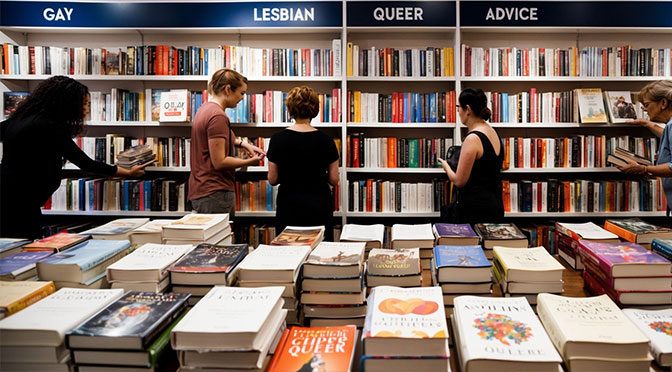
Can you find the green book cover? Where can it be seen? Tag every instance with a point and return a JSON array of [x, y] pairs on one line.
[[156, 349], [413, 153]]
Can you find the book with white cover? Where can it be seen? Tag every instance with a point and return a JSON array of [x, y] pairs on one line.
[[502, 333], [412, 236], [335, 260], [373, 235], [591, 105], [620, 106], [587, 231], [196, 226], [148, 263], [45, 323], [273, 263], [151, 232], [590, 327], [117, 229], [528, 265], [230, 318], [657, 326]]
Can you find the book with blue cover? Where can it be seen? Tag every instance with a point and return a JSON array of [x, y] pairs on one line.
[[21, 265], [461, 264], [454, 234], [84, 261], [9, 246]]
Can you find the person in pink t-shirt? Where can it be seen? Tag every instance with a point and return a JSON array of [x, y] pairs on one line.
[[213, 166]]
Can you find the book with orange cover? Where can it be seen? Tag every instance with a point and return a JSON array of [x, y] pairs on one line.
[[315, 348], [56, 242]]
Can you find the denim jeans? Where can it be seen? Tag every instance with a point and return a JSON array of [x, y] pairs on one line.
[[223, 201]]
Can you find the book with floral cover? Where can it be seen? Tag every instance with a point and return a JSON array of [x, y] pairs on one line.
[[657, 326]]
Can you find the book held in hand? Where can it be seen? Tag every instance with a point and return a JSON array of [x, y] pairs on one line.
[[136, 155]]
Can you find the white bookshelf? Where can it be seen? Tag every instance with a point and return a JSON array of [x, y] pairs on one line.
[[584, 214], [158, 214], [561, 170], [393, 214], [397, 170]]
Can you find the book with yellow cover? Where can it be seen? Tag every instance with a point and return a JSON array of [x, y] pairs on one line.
[[315, 348], [15, 296]]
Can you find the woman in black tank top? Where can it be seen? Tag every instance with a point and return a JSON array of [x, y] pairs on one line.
[[478, 178]]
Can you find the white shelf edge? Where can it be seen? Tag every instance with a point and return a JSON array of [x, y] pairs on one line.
[[585, 214], [415, 79], [395, 170], [268, 214], [554, 125], [560, 78], [197, 78], [561, 170], [282, 125], [383, 29], [101, 123], [393, 214], [114, 213], [399, 125], [562, 29]]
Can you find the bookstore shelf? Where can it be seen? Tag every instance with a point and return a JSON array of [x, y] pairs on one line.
[[98, 123], [73, 167], [395, 170], [115, 213], [133, 32], [400, 125], [554, 125], [562, 170], [585, 214], [282, 125], [405, 29], [562, 30], [561, 78], [180, 78], [392, 214], [415, 79]]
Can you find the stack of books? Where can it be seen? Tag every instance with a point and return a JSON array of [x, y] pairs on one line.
[[146, 268], [21, 266], [462, 269], [634, 230], [56, 243], [372, 235], [132, 332], [621, 156], [415, 236], [661, 246], [527, 272], [455, 234], [629, 273], [398, 267], [276, 266], [151, 232], [83, 266], [300, 235], [593, 334], [567, 236], [501, 235], [501, 334], [9, 246], [231, 328], [322, 349], [16, 296], [206, 266], [136, 155], [405, 330], [33, 339], [333, 291], [196, 228], [119, 229], [655, 324]]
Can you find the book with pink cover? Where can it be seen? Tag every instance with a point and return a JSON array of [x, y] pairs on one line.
[[624, 259]]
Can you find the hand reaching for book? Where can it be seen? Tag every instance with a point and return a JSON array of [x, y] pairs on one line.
[[632, 168], [135, 171]]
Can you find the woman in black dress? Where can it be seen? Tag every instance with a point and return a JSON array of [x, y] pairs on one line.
[[304, 162], [36, 140], [478, 179]]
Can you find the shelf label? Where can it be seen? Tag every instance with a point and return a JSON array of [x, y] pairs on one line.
[[401, 13], [566, 13], [171, 14]]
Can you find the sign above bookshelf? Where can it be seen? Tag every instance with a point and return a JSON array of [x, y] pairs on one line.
[[401, 14]]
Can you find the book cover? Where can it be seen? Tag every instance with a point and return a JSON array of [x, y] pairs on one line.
[[535, 259], [591, 106], [88, 254], [15, 296], [196, 226], [174, 106], [499, 231], [152, 227], [56, 242], [634, 230], [454, 230], [585, 231], [363, 233], [12, 100], [155, 257], [267, 257], [657, 326], [210, 258], [412, 232], [337, 254], [663, 247], [295, 235], [7, 244], [156, 104], [140, 315], [394, 262], [503, 329], [620, 106], [21, 261], [118, 226], [315, 348], [624, 259], [460, 256]]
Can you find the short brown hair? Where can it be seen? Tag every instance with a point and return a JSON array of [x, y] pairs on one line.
[[223, 77], [303, 103], [657, 90]]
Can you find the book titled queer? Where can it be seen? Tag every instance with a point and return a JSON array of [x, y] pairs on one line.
[[330, 348]]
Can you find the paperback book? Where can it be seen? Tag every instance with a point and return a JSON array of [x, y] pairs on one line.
[[461, 263], [16, 296], [273, 263], [657, 326], [208, 264], [300, 235], [148, 263], [455, 234], [197, 226], [335, 260], [372, 235], [10, 246], [117, 229], [57, 242], [500, 234], [624, 259], [327, 348], [637, 231], [21, 266]]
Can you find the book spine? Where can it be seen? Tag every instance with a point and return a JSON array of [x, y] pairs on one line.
[[30, 299], [588, 255], [278, 354], [623, 233], [167, 318], [661, 249]]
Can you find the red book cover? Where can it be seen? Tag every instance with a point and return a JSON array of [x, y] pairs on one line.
[[369, 195], [166, 60], [521, 153], [324, 349], [355, 152], [487, 62], [394, 107]]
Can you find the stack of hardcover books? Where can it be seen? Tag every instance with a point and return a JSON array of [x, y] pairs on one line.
[[501, 334], [21, 266], [33, 339], [206, 266], [629, 273], [567, 236], [372, 235], [132, 332], [84, 265], [461, 269], [501, 235], [415, 236], [276, 266], [661, 246], [231, 328], [151, 232], [405, 330], [300, 235], [322, 349], [455, 234], [136, 155], [146, 268], [655, 324], [196, 228], [333, 291], [527, 272], [116, 230], [634, 230], [593, 334], [398, 267], [16, 296]]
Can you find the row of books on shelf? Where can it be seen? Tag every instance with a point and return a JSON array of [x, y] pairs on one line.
[[572, 61], [393, 152], [125, 105], [112, 194], [169, 60], [401, 107], [431, 61], [170, 152], [395, 196], [571, 152], [583, 196]]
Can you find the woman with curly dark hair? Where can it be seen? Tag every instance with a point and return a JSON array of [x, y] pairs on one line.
[[304, 161], [36, 140]]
